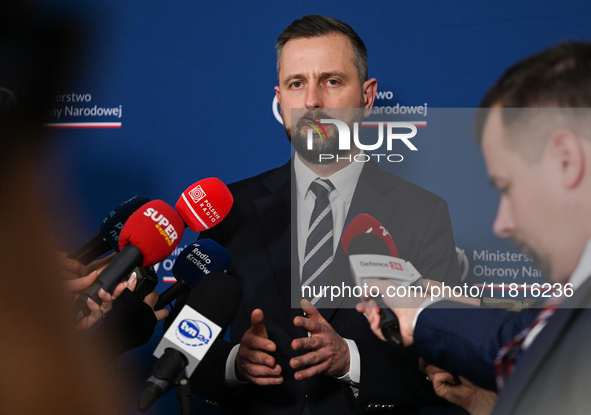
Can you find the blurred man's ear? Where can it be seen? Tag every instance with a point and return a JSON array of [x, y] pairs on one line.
[[569, 157]]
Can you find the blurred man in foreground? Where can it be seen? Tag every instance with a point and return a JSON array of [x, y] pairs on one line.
[[46, 367], [535, 134]]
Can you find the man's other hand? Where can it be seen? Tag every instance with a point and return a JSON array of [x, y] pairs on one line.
[[459, 391], [253, 361], [329, 352]]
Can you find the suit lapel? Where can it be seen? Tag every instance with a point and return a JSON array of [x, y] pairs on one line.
[[273, 215], [370, 195]]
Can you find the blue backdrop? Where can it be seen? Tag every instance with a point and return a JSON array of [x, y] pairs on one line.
[[186, 91]]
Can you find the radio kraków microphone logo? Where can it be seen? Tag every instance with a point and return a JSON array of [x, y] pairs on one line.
[[193, 333]]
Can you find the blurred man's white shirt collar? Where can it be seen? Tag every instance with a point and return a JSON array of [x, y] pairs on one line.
[[583, 269]]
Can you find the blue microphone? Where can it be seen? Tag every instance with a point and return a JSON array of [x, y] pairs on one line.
[[107, 239], [193, 264]]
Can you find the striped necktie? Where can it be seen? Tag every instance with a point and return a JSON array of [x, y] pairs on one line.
[[319, 243], [505, 360]]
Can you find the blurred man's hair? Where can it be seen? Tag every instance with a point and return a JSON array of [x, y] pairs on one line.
[[556, 78]]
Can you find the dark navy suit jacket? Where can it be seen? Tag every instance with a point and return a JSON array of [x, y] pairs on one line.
[[550, 377], [258, 236]]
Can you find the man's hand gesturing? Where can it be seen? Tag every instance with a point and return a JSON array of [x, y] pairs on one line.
[[253, 361], [329, 352]]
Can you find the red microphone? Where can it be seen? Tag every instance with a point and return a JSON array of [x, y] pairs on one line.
[[149, 235], [364, 223], [368, 243], [204, 204]]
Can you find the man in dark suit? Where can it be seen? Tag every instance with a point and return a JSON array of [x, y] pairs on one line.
[[327, 360], [535, 136]]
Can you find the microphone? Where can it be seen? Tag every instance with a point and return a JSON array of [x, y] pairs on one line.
[[147, 280], [204, 204], [210, 308], [108, 236], [196, 261], [150, 235], [360, 245], [372, 252], [367, 264], [364, 223]]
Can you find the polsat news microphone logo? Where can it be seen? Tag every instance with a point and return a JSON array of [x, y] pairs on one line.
[[344, 136], [193, 333]]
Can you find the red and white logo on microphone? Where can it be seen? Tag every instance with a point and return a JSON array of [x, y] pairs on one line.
[[396, 265], [204, 204], [197, 194]]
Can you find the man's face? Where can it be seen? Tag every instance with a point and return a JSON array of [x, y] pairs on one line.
[[526, 210], [318, 73]]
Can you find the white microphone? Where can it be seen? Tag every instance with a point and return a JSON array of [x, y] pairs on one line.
[[209, 309]]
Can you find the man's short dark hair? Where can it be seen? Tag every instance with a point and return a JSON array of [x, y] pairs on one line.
[[317, 25], [558, 77]]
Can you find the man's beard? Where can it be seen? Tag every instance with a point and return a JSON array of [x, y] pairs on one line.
[[321, 145], [541, 261]]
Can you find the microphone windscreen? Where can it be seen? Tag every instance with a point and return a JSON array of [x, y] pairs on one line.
[[368, 243], [364, 223], [204, 204], [114, 221], [155, 229], [217, 297], [200, 259]]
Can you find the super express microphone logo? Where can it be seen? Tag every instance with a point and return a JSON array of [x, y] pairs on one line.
[[163, 225], [193, 333]]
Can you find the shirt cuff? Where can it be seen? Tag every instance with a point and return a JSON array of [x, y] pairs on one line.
[[231, 379], [353, 376]]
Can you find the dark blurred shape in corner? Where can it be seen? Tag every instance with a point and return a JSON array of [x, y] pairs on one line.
[[37, 57], [46, 368]]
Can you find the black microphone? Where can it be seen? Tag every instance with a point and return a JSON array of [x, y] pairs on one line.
[[107, 239], [209, 309], [370, 243], [147, 280], [192, 265], [150, 234]]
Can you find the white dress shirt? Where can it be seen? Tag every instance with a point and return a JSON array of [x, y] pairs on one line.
[[345, 182]]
